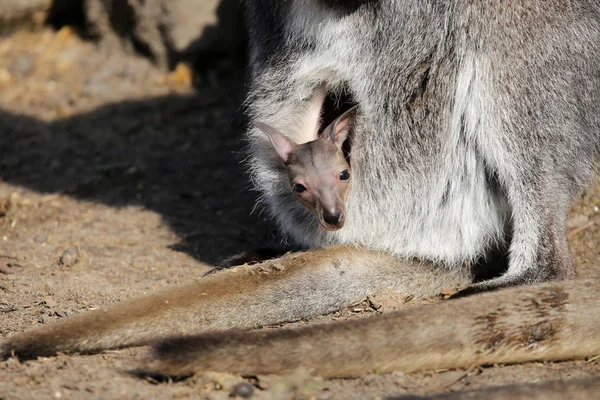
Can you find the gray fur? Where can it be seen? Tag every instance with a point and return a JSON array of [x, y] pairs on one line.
[[478, 122]]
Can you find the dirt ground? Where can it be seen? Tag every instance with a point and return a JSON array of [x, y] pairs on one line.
[[116, 180]]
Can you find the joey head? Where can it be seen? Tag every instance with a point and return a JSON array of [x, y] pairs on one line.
[[319, 173]]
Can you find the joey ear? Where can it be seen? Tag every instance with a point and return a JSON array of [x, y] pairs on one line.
[[282, 144], [338, 130]]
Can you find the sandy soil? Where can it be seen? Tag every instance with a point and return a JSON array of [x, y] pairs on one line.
[[117, 180]]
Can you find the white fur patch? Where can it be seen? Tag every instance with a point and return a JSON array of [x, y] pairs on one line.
[[442, 210]]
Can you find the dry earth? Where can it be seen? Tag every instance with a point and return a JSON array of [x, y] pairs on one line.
[[117, 180]]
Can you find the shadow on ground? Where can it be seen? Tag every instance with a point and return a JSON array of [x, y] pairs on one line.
[[177, 155]]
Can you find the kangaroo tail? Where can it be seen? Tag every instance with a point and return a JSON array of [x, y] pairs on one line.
[[551, 321]]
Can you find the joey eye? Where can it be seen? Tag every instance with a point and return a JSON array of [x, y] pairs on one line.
[[298, 188], [345, 175]]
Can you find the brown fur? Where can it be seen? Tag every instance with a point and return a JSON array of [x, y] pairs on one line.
[[289, 288], [551, 321]]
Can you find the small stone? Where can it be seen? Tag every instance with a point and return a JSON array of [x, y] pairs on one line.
[[5, 76], [181, 76], [40, 238], [49, 301], [576, 221], [369, 379], [61, 314], [324, 395], [65, 33], [12, 362], [69, 257], [243, 390], [23, 65], [6, 308], [10, 268]]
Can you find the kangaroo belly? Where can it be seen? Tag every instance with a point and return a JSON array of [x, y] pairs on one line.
[[425, 183], [457, 216], [421, 185]]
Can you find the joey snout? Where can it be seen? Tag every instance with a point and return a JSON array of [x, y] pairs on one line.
[[331, 218]]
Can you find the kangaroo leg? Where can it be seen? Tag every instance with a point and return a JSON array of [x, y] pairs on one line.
[[539, 250], [550, 321], [295, 286]]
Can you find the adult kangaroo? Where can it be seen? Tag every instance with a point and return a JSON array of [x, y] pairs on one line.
[[477, 124]]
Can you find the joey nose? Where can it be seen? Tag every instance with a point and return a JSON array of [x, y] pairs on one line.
[[332, 217]]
